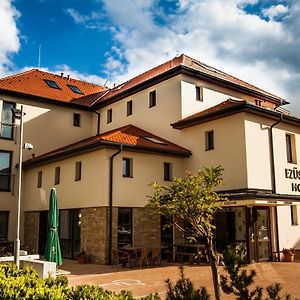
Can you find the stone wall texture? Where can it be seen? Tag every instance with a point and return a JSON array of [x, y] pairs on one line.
[[31, 232]]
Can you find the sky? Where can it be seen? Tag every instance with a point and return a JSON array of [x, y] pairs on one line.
[[111, 41]]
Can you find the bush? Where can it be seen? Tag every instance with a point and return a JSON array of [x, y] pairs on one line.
[[184, 290]]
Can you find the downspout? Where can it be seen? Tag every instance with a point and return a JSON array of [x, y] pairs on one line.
[[111, 165], [98, 121], [273, 178]]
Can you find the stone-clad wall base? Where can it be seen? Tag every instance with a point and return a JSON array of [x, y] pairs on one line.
[[94, 238], [31, 232], [146, 228]]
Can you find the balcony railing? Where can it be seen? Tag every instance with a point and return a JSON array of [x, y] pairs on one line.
[[7, 182]]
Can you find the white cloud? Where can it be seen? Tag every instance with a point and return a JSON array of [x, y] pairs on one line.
[[220, 33], [9, 35], [275, 11]]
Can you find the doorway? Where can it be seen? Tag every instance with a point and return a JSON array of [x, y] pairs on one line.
[[261, 236], [43, 231]]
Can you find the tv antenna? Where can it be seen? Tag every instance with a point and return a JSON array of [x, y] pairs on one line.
[[39, 58]]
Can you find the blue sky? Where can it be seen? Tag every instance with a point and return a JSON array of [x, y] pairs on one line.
[[96, 40]]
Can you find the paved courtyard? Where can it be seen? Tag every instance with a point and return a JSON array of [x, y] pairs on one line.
[[150, 280]]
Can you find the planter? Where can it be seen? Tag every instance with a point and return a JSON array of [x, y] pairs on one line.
[[288, 257], [82, 259]]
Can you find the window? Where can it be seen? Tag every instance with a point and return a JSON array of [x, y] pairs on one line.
[[40, 179], [258, 102], [127, 167], [199, 93], [209, 140], [109, 116], [7, 120], [152, 99], [294, 215], [129, 108], [75, 89], [124, 227], [78, 171], [3, 225], [290, 148], [167, 171], [5, 170], [52, 84], [76, 120], [57, 175]]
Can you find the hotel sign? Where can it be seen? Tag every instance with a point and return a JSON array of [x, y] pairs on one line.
[[293, 174]]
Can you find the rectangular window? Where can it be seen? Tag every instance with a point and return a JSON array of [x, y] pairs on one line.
[[40, 179], [76, 120], [294, 215], [109, 116], [78, 171], [124, 227], [291, 148], [167, 171], [5, 170], [3, 225], [209, 140], [57, 175], [129, 108], [199, 93], [7, 120], [152, 99], [127, 167]]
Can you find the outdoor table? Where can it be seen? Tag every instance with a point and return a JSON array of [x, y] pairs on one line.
[[132, 253]]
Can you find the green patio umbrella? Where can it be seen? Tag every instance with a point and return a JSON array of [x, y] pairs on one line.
[[52, 249]]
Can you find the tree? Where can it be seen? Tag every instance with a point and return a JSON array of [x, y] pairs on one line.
[[193, 201]]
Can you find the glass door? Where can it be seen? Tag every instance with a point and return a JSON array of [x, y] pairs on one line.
[[262, 239]]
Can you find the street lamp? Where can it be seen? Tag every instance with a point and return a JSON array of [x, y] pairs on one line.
[[19, 114]]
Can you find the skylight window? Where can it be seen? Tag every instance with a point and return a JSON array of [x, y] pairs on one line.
[[75, 89], [52, 84], [154, 140]]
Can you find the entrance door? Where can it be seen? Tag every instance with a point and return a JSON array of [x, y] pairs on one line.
[[261, 238], [43, 231]]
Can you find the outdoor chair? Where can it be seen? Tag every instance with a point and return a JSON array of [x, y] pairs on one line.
[[155, 256], [143, 257], [121, 257]]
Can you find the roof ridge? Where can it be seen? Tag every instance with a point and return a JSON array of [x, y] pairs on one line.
[[18, 74]]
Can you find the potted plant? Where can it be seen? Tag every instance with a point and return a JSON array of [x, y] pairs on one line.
[[82, 257], [288, 254]]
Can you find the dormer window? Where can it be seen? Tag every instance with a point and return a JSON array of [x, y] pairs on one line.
[[75, 89], [52, 84]]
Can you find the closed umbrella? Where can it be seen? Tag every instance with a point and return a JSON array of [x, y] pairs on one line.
[[52, 249]]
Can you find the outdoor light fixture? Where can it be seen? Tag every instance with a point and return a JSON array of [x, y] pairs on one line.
[[19, 114]]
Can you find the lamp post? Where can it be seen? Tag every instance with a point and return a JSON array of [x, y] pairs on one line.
[[18, 114]]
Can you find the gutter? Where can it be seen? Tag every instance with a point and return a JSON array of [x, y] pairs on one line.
[[273, 178], [98, 121], [110, 215]]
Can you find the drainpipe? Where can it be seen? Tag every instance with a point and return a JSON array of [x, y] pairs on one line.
[[273, 178], [111, 165], [98, 121]]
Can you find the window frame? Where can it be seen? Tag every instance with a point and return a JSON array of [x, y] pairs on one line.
[[167, 171], [39, 179], [199, 93], [128, 167], [75, 89], [78, 170], [5, 237], [9, 174], [209, 140], [12, 121], [125, 210], [129, 108], [76, 120], [152, 99], [109, 116], [291, 148], [57, 174], [294, 215], [49, 82]]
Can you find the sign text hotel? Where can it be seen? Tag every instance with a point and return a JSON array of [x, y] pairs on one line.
[[293, 174]]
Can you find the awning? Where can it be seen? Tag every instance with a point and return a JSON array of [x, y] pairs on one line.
[[259, 202]]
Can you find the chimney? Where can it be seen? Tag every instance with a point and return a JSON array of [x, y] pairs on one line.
[[68, 77], [61, 75]]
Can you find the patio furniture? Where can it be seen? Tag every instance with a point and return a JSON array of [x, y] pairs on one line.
[[143, 257], [121, 257], [194, 253], [155, 256]]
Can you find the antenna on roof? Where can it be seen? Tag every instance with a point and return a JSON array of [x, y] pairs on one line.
[[108, 74], [39, 59]]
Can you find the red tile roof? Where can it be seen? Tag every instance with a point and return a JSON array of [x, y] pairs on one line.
[[187, 62], [131, 137], [32, 82]]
